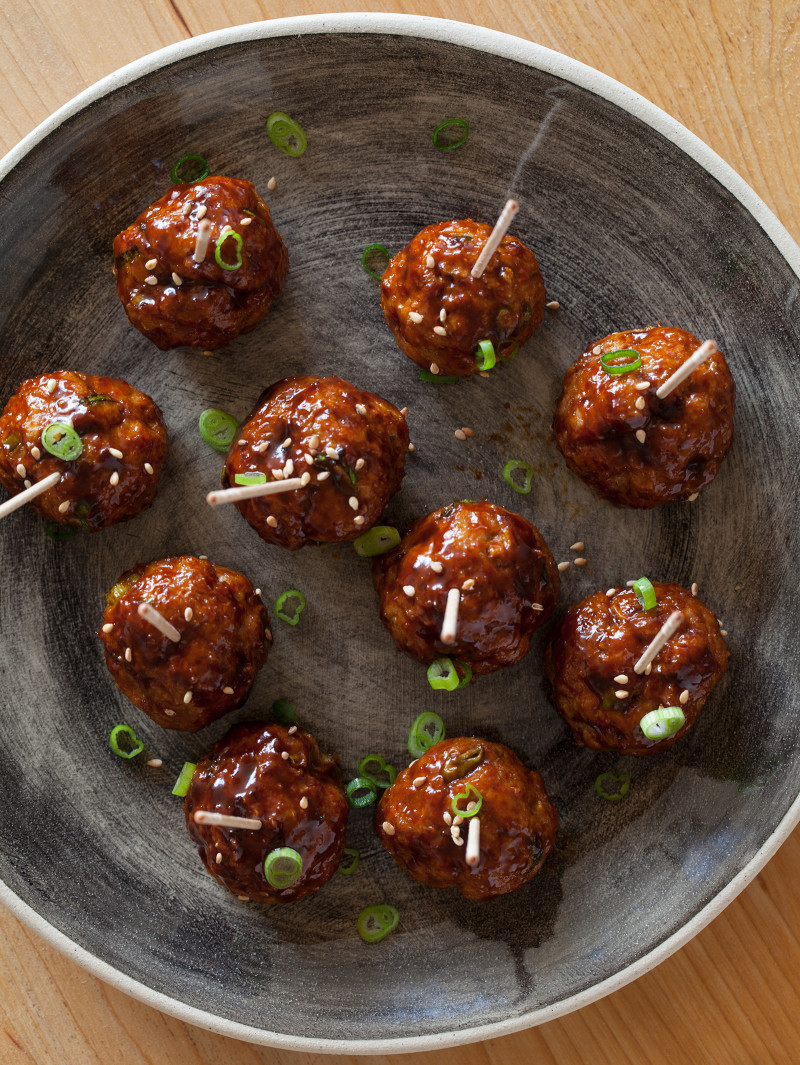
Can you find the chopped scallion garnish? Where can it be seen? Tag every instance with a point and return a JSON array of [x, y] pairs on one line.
[[374, 254], [442, 675], [229, 234], [287, 597], [376, 922], [349, 862], [184, 779], [524, 486], [426, 730], [472, 797], [485, 358], [610, 365], [438, 378], [645, 593], [189, 168], [286, 134], [381, 766], [361, 792], [61, 440], [662, 723], [284, 712], [450, 124], [56, 531], [606, 781], [217, 428], [250, 478], [283, 867], [466, 669], [133, 745], [379, 540]]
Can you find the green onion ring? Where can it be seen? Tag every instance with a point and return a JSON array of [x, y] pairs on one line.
[[662, 723], [426, 730], [485, 358], [442, 675], [624, 367], [510, 354], [177, 169], [125, 730], [383, 767], [645, 593], [286, 134], [371, 252], [217, 428], [232, 235], [376, 922], [447, 124], [528, 470], [290, 619], [349, 862], [478, 800], [361, 792], [283, 712], [624, 782], [184, 779], [250, 478], [437, 378], [61, 440], [467, 671], [56, 531], [283, 867], [377, 541]]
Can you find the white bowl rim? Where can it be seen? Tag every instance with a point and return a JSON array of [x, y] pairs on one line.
[[537, 56]]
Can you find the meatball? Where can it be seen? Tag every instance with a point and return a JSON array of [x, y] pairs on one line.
[[224, 639], [505, 572], [517, 823], [631, 447], [174, 299], [432, 275], [592, 653], [348, 446], [279, 776], [115, 432]]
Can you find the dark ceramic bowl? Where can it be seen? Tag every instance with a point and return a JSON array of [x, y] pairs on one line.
[[634, 220]]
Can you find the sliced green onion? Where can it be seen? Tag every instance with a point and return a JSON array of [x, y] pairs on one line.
[[12, 442], [285, 597], [283, 712], [662, 723], [61, 440], [217, 428], [508, 354], [450, 124], [56, 531], [361, 792], [477, 800], [485, 357], [462, 764], [376, 922], [349, 862], [426, 730], [120, 731], [250, 478], [442, 675], [379, 540], [634, 361], [373, 253], [189, 168], [229, 234], [283, 867], [466, 669], [606, 781], [184, 779], [437, 378], [365, 770], [645, 593], [528, 471], [97, 398], [286, 134]]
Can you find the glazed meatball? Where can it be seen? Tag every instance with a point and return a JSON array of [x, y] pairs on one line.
[[631, 447], [504, 569], [281, 778], [591, 657], [224, 638], [174, 299], [112, 437], [348, 446], [432, 274], [516, 821]]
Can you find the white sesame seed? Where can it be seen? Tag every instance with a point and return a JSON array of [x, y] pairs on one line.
[[693, 496], [642, 385], [241, 443], [648, 669], [553, 305], [723, 632], [629, 584], [201, 211], [156, 763], [459, 842], [304, 803], [114, 479], [460, 434], [418, 782], [537, 606], [210, 353], [430, 262], [27, 483], [272, 183], [442, 315], [641, 435], [622, 694], [434, 368], [313, 442], [640, 403], [51, 385], [278, 475], [353, 502], [272, 521], [177, 279], [305, 478], [447, 818], [404, 411], [21, 470], [128, 654], [621, 678], [440, 330], [580, 561], [331, 452], [579, 546], [415, 317], [455, 832], [170, 713], [411, 447], [360, 464], [36, 453], [596, 349], [471, 805], [292, 730], [360, 408], [148, 468], [437, 567], [388, 828], [285, 756], [108, 627], [287, 442], [409, 590], [187, 698], [225, 229], [323, 476], [242, 898], [683, 699], [483, 373], [611, 591], [245, 221], [457, 820], [467, 431], [228, 690], [359, 519], [187, 207], [218, 858], [695, 588], [151, 264], [188, 614], [115, 451], [63, 507], [562, 566], [151, 279], [468, 585], [288, 468]]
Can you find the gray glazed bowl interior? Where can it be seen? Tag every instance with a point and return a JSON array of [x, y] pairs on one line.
[[630, 228]]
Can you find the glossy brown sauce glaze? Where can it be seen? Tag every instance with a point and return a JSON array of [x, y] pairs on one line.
[[351, 445], [517, 820], [246, 775], [511, 576], [603, 637], [225, 636], [205, 304], [122, 433], [686, 435], [504, 305]]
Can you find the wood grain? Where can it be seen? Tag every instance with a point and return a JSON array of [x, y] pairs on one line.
[[729, 72]]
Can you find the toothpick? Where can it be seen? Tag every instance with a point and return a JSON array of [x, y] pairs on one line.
[[706, 349], [158, 621], [473, 842], [450, 622], [28, 494], [669, 628], [201, 244], [497, 234], [253, 491], [208, 817]]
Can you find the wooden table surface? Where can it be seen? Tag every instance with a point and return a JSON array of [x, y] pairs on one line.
[[730, 71]]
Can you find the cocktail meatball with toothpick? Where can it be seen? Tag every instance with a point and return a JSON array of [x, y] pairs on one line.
[[338, 451], [468, 814], [100, 441], [201, 265], [631, 669], [641, 421], [268, 813], [472, 581], [184, 639]]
